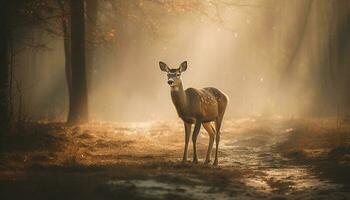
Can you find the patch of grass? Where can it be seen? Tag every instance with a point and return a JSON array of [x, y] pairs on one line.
[[322, 145]]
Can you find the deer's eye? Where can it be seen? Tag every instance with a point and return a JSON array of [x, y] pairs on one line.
[[178, 75]]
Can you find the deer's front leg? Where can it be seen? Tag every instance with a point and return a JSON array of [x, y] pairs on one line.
[[194, 139], [187, 138]]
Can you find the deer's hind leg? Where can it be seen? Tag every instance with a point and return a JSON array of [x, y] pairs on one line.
[[218, 122], [209, 128]]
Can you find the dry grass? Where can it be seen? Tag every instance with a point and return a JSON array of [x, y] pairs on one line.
[[55, 160]]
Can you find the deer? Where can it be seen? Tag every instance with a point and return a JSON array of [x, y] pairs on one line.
[[198, 107]]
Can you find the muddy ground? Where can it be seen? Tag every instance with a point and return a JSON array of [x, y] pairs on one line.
[[272, 158]]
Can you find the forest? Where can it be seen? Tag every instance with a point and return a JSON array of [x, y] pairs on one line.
[[93, 99]]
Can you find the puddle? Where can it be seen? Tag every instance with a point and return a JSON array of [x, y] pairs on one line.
[[154, 189]]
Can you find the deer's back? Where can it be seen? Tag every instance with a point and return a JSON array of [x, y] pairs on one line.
[[206, 103]]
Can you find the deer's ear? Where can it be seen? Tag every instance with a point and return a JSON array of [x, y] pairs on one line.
[[183, 66], [163, 67]]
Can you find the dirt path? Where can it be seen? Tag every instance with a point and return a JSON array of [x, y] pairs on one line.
[[142, 161], [271, 173], [249, 147]]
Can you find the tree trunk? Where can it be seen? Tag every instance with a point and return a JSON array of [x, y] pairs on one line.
[[286, 74], [78, 108], [65, 20], [340, 52], [4, 69]]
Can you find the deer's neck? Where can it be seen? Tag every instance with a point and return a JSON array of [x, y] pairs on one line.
[[178, 97]]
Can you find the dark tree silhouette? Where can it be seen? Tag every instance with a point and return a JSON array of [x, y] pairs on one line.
[[78, 105], [4, 68], [65, 21]]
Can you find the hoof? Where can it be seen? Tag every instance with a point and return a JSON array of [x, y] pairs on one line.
[[206, 162], [215, 163]]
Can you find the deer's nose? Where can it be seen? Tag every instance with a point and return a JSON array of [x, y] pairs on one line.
[[170, 81]]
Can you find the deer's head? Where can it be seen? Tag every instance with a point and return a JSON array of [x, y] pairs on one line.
[[174, 75]]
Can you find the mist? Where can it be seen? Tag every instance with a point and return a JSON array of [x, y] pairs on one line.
[[270, 57]]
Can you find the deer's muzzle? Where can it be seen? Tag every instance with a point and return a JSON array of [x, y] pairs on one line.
[[170, 81]]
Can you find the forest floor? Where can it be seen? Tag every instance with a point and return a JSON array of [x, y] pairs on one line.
[[272, 158]]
